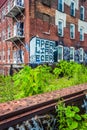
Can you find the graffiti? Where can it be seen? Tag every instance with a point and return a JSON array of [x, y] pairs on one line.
[[76, 56], [43, 50], [85, 104], [85, 57], [66, 53], [46, 122]]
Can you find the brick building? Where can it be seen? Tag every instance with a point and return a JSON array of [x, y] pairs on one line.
[[42, 31]]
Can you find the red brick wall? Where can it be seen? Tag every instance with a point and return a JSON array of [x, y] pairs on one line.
[[38, 26], [35, 25]]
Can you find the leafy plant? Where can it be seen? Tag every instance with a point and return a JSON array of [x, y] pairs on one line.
[[42, 79], [68, 118], [32, 81]]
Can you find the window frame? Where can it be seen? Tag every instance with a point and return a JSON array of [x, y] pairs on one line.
[[72, 2], [83, 13], [73, 54], [59, 3], [62, 34], [72, 25], [58, 53]]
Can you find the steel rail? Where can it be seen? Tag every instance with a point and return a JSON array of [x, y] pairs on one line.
[[38, 105]]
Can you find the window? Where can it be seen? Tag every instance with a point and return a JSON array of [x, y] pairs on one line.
[[71, 53], [81, 54], [20, 2], [19, 29], [72, 8], [82, 13], [60, 52], [81, 34], [60, 28], [72, 31], [61, 5], [8, 55], [21, 56]]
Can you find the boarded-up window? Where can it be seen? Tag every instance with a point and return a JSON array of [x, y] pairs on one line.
[[46, 22], [46, 18]]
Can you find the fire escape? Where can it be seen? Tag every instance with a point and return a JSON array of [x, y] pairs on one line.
[[14, 10]]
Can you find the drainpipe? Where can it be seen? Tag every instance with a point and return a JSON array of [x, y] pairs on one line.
[[27, 30]]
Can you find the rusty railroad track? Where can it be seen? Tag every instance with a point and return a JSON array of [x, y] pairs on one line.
[[14, 112]]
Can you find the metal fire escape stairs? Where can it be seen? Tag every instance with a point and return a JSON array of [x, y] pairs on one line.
[[12, 13]]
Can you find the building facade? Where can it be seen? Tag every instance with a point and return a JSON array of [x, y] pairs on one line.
[[42, 31]]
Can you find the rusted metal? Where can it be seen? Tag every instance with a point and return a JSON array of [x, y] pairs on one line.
[[14, 112]]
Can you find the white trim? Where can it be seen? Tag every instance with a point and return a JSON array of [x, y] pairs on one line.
[[68, 2], [82, 24], [59, 15], [73, 53], [58, 54], [73, 31]]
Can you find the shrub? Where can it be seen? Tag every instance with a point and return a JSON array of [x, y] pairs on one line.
[[32, 81], [68, 118]]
